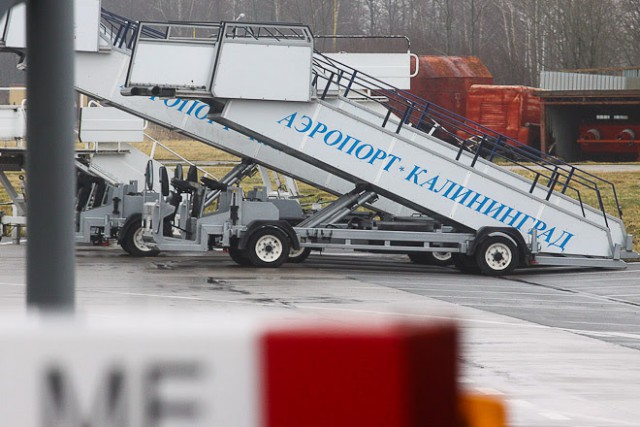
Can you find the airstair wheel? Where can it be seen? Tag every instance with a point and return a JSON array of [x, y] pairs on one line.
[[268, 247], [239, 256], [497, 256], [296, 256], [131, 238]]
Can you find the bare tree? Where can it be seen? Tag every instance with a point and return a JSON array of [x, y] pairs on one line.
[[583, 33], [630, 19], [514, 38]]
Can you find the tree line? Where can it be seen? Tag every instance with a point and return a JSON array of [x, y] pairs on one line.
[[516, 39]]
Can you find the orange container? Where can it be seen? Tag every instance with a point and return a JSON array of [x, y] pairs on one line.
[[445, 80], [513, 111]]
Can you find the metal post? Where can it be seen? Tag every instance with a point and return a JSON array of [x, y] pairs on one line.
[[50, 152]]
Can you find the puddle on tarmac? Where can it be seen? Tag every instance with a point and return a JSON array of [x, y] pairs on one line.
[[293, 302], [165, 265], [221, 285], [213, 284]]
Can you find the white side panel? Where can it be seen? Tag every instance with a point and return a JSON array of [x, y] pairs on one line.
[[255, 71], [16, 35], [3, 25], [108, 124], [392, 68], [87, 25], [187, 65], [125, 370], [412, 171], [12, 123], [86, 29]]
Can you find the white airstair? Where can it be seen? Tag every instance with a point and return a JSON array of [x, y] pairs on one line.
[[265, 81], [101, 76]]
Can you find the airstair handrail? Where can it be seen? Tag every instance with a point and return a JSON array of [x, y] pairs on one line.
[[123, 31], [152, 155], [421, 115], [258, 31]]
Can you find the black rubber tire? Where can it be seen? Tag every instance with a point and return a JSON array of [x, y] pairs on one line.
[[296, 257], [131, 242], [167, 228], [238, 256], [497, 256], [268, 247], [465, 263], [431, 258]]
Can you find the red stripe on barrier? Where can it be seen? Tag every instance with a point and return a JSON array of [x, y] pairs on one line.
[[394, 376]]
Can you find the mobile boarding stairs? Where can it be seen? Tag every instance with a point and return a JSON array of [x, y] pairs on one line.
[[103, 50], [265, 81]]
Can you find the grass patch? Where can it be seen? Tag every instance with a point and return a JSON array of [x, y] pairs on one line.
[[628, 189], [14, 178]]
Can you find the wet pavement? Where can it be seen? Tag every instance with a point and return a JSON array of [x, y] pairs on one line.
[[560, 346]]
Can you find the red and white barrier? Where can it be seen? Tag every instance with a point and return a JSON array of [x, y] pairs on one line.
[[227, 371]]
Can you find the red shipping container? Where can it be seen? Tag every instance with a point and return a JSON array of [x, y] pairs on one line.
[[445, 80], [513, 111]]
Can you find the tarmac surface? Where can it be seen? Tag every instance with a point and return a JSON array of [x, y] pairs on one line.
[[560, 346]]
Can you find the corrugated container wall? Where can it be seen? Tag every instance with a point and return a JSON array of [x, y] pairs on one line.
[[513, 111], [445, 80]]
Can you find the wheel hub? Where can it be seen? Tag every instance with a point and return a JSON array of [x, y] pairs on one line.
[[442, 256], [138, 240], [498, 256], [268, 248]]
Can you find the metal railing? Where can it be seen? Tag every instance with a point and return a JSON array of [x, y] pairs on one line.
[[122, 31], [407, 110], [182, 160], [257, 31]]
